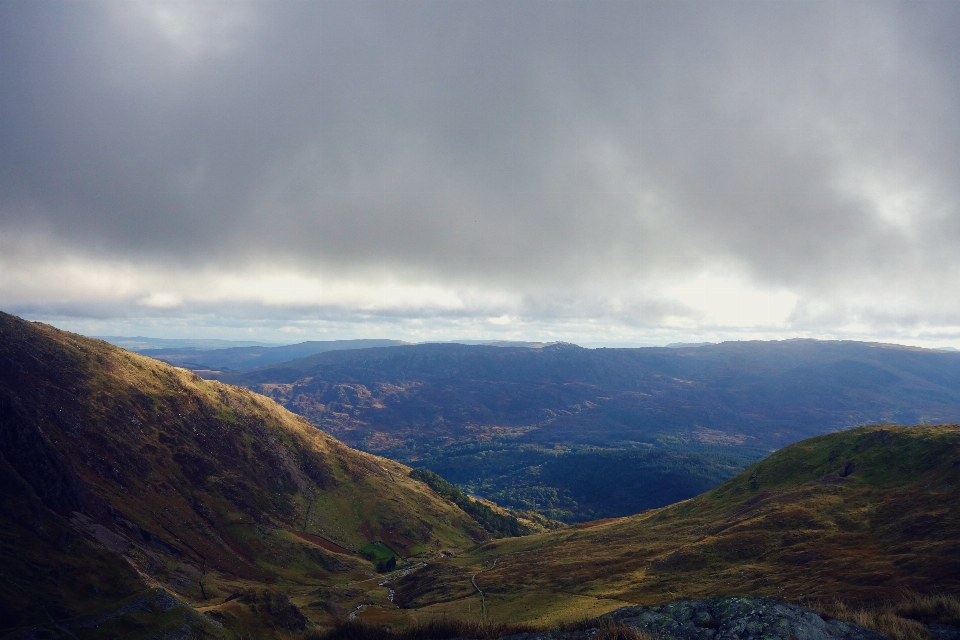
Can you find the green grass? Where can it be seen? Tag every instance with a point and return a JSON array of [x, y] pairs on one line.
[[377, 552], [496, 523]]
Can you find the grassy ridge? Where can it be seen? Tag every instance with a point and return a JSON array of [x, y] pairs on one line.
[[860, 515]]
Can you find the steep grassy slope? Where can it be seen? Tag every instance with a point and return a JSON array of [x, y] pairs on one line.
[[120, 473], [859, 515]]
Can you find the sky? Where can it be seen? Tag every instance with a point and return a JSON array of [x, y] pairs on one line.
[[597, 172]]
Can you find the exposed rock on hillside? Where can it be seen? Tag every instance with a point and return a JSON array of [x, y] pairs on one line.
[[739, 619]]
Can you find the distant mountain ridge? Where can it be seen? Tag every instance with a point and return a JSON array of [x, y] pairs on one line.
[[529, 427], [770, 393], [233, 355], [140, 343], [257, 356]]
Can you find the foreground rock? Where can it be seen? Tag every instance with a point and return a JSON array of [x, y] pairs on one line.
[[740, 618]]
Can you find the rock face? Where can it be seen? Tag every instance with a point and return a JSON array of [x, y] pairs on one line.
[[739, 618], [944, 631]]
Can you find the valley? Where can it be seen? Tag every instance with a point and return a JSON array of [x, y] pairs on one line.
[[860, 516], [529, 427], [142, 501]]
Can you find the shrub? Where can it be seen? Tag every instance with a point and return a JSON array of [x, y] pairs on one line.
[[611, 629], [384, 566], [497, 524]]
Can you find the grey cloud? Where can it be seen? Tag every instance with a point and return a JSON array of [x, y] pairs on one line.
[[527, 146]]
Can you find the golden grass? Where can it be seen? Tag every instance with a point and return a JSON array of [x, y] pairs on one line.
[[789, 528], [941, 608], [900, 620], [618, 630]]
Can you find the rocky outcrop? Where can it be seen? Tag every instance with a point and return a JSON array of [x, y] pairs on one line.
[[740, 618]]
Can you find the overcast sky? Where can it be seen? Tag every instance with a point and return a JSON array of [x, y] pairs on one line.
[[598, 172]]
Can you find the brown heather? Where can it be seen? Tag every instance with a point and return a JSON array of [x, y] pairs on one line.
[[859, 515], [903, 619], [119, 473]]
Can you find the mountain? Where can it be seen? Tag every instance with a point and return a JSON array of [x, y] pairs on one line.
[[250, 357], [860, 515], [529, 427], [139, 500], [768, 393], [121, 475], [142, 343]]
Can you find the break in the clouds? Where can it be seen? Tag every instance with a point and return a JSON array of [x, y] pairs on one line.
[[590, 171]]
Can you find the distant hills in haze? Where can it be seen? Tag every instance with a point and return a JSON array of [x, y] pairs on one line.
[[215, 355], [250, 357], [527, 427], [765, 394], [141, 343]]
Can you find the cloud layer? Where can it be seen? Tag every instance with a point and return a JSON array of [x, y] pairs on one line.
[[529, 169]]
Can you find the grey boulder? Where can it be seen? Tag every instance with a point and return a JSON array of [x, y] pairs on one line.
[[740, 618]]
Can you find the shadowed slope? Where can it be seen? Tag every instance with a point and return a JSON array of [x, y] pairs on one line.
[[118, 472], [858, 515]]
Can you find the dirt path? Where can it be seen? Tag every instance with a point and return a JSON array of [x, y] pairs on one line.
[[483, 600]]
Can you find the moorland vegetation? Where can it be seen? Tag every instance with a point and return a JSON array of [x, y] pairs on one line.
[[860, 516], [121, 474]]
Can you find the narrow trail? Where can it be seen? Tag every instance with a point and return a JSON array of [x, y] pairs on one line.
[[483, 600]]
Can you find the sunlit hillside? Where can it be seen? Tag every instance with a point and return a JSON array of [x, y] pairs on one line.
[[122, 473], [859, 515]]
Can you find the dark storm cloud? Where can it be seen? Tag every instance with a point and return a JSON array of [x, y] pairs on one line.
[[525, 147]]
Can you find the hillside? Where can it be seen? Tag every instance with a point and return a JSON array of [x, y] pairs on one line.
[[860, 515], [525, 427], [119, 473]]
